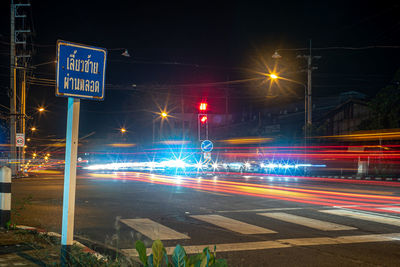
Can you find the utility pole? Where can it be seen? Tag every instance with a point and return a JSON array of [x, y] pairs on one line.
[[309, 88], [17, 37], [308, 93], [23, 110], [13, 94]]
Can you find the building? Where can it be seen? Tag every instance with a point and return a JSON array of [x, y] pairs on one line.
[[345, 118]]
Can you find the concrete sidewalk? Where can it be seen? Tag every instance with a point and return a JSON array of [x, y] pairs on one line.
[[30, 246], [18, 248]]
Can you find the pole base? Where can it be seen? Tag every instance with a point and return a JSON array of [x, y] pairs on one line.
[[5, 217], [65, 256]]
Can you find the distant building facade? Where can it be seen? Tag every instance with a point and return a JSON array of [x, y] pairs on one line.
[[345, 118]]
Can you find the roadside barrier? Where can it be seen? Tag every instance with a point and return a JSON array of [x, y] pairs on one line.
[[5, 196]]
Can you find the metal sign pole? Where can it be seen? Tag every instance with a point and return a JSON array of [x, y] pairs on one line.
[[71, 151], [80, 74]]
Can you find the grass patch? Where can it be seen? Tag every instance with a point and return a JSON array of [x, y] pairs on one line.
[[45, 250]]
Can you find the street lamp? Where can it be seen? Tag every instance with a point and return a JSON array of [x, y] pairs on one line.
[[310, 68], [162, 115], [307, 109], [126, 53], [33, 128], [41, 109], [276, 55], [273, 76], [123, 130]]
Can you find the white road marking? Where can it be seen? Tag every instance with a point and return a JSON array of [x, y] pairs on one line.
[[258, 210], [391, 209], [312, 223], [281, 243], [213, 193], [153, 230], [233, 225], [364, 216]]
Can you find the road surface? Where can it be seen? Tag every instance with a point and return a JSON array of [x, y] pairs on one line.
[[253, 220]]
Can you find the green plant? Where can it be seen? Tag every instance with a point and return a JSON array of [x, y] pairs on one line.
[[179, 257], [16, 212]]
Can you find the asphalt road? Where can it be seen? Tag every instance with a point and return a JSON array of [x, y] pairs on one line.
[[252, 220]]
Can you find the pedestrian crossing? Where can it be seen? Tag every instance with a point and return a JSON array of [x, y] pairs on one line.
[[307, 222], [233, 225], [364, 216], [281, 243], [154, 230]]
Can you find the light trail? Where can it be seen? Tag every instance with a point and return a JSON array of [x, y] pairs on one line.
[[361, 201]]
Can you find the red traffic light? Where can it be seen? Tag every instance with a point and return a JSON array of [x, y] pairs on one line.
[[203, 106], [203, 118]]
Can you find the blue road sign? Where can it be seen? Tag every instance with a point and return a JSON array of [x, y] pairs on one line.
[[81, 71], [207, 146]]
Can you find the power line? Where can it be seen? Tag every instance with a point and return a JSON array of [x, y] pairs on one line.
[[340, 48]]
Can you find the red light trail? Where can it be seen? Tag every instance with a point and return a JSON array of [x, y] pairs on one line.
[[373, 201]]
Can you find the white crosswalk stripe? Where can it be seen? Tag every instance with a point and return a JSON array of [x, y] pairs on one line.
[[153, 230], [282, 243], [308, 222], [364, 216], [233, 225]]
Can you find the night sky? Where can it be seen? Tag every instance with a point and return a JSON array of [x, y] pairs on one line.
[[199, 42]]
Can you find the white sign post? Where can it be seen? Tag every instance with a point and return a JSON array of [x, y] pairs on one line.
[[71, 153], [80, 74]]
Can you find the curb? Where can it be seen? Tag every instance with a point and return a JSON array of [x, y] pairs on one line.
[[82, 246], [367, 178]]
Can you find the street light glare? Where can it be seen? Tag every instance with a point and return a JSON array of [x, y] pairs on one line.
[[164, 114], [123, 130], [41, 109], [33, 129], [273, 76]]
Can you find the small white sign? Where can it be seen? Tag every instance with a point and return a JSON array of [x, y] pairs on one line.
[[207, 155], [20, 140]]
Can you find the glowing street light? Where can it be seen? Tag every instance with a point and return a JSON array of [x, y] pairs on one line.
[[123, 130], [41, 109], [164, 114], [273, 76], [33, 129]]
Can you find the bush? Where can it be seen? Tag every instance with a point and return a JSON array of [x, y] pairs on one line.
[[179, 257]]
